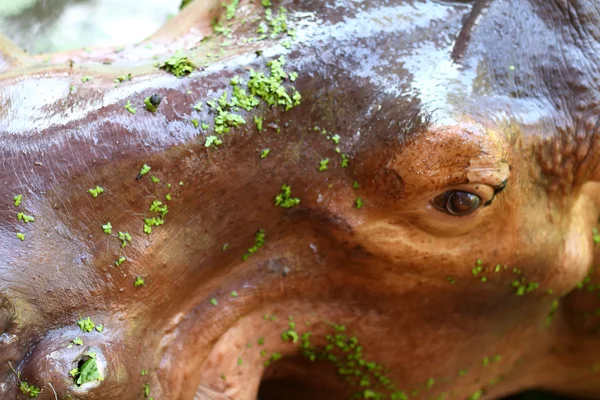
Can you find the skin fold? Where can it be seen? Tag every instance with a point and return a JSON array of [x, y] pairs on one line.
[[498, 98]]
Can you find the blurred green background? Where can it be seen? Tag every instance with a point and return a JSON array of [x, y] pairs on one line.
[[42, 26]]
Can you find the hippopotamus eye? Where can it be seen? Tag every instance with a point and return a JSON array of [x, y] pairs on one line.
[[457, 202]]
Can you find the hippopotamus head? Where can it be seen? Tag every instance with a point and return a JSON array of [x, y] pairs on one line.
[[378, 199]]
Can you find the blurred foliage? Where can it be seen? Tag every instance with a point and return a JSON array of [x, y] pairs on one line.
[[43, 26]]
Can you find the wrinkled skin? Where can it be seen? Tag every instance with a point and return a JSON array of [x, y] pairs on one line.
[[427, 97]]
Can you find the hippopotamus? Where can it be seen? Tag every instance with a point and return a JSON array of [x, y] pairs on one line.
[[374, 199]]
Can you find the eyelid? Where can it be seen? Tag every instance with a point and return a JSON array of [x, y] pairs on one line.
[[437, 222], [485, 192], [498, 189]]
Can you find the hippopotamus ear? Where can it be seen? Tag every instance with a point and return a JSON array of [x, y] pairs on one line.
[[11, 55], [198, 15]]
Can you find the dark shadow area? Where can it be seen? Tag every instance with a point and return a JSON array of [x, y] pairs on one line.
[[537, 395], [294, 390], [272, 390]]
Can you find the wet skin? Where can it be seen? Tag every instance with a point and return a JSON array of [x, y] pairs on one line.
[[431, 100]]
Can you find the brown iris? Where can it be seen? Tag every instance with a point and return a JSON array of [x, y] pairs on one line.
[[457, 202]]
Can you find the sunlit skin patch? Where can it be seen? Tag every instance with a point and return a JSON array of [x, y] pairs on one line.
[[427, 181]]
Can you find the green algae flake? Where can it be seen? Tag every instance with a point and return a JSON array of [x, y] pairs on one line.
[[86, 324], [231, 9], [212, 140], [107, 228], [89, 371], [179, 65], [96, 191], [259, 86], [284, 200], [323, 164], [271, 88], [124, 237], [346, 353], [144, 170], [150, 106], [359, 203], [259, 241], [29, 390], [129, 107]]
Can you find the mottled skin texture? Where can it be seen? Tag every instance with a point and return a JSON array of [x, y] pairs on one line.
[[424, 99]]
